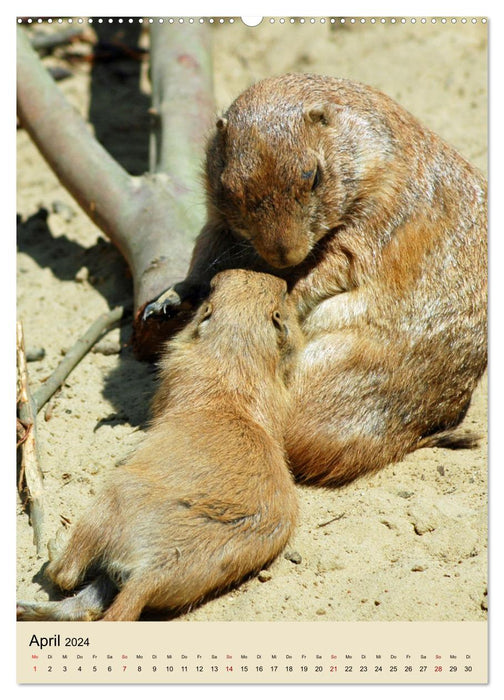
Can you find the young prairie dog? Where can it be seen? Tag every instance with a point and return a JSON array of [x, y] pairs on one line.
[[208, 498], [379, 229]]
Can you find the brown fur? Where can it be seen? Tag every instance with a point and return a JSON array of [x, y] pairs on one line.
[[208, 497], [384, 251]]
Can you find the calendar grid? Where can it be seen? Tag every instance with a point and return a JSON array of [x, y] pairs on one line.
[[172, 652]]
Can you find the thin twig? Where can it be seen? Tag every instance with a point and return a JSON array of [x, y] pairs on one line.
[[30, 467], [75, 355], [332, 520], [22, 431]]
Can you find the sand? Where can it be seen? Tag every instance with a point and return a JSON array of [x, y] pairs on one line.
[[408, 543]]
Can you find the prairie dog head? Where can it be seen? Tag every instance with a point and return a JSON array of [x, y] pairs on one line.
[[245, 335], [269, 184], [268, 174], [249, 314], [287, 161]]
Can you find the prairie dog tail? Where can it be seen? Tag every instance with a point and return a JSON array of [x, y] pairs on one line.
[[451, 440]]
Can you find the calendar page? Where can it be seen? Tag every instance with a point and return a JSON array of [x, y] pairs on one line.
[[251, 350]]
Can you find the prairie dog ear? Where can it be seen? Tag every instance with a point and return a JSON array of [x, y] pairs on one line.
[[214, 281], [202, 317], [205, 312], [280, 326], [322, 113]]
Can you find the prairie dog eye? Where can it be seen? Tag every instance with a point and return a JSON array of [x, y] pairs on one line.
[[316, 179], [314, 176]]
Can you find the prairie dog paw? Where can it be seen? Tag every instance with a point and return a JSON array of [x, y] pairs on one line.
[[167, 303]]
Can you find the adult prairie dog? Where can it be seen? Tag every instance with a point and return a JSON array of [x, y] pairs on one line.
[[379, 228]]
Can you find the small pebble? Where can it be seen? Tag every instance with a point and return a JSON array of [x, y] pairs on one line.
[[35, 354], [405, 494], [320, 611], [419, 567], [441, 470], [294, 557], [264, 576]]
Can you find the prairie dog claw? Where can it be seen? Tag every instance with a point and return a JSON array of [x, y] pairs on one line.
[[166, 302]]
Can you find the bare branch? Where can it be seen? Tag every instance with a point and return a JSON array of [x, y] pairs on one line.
[[152, 219], [47, 42]]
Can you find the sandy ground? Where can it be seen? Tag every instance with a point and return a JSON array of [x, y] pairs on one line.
[[408, 543]]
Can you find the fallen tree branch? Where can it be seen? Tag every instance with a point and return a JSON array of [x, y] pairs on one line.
[[47, 42], [31, 473], [80, 348], [152, 219]]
